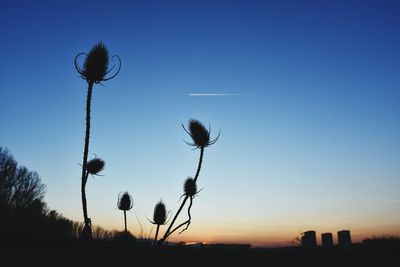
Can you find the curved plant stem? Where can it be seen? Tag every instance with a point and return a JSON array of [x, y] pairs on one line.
[[169, 232], [87, 233], [200, 162], [187, 223]]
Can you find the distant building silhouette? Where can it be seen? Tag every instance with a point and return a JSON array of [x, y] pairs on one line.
[[309, 239], [344, 238], [327, 240]]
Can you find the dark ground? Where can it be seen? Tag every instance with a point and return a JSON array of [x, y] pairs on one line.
[[105, 253]]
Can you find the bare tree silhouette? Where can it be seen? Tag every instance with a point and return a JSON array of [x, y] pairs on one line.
[[19, 187], [95, 69]]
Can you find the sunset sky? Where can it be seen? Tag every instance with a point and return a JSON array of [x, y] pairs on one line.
[[306, 95]]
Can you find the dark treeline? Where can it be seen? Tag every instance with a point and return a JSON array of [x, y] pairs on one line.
[[23, 213]]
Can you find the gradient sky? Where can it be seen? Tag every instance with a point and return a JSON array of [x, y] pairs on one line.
[[309, 133]]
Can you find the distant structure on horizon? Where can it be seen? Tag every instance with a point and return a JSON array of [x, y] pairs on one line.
[[327, 240], [309, 239], [344, 238]]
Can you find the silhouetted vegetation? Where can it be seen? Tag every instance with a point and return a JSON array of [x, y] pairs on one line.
[[125, 203], [24, 214], [201, 139], [159, 218], [111, 253], [95, 69], [383, 241], [25, 218]]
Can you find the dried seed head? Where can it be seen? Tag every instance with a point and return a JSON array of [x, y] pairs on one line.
[[95, 67], [95, 166], [125, 202], [96, 64], [199, 134], [190, 187], [160, 214]]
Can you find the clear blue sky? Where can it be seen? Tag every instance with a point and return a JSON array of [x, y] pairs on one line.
[[311, 141]]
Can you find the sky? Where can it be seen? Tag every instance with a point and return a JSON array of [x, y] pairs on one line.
[[305, 94]]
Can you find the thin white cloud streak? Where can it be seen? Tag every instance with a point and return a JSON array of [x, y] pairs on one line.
[[220, 94]]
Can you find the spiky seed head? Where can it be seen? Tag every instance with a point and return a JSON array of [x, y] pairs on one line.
[[160, 214], [199, 133], [125, 202], [96, 64], [190, 187], [95, 166]]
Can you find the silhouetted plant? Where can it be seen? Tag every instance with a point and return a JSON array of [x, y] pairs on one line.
[[201, 139], [95, 70], [125, 202], [93, 167], [159, 217]]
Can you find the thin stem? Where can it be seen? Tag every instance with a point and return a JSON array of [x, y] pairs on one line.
[[187, 223], [126, 231], [87, 233], [156, 236], [168, 232], [173, 221], [200, 162], [141, 226]]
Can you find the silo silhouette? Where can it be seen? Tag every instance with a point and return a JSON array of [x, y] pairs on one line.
[[309, 239], [344, 238], [327, 240]]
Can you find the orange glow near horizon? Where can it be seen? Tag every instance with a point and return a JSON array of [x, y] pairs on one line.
[[264, 235]]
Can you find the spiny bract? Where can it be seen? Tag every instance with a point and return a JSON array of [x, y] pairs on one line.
[[95, 166]]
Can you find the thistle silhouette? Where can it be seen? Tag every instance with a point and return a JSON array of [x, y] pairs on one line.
[[125, 203], [159, 218], [201, 139], [95, 69]]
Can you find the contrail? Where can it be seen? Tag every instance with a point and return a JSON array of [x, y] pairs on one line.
[[214, 94]]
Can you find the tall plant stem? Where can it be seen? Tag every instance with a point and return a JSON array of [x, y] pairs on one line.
[[168, 232], [126, 230], [87, 233], [156, 236], [200, 162]]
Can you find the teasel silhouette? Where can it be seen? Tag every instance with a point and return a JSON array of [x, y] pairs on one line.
[[93, 167], [201, 139], [94, 71], [125, 203], [159, 218]]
